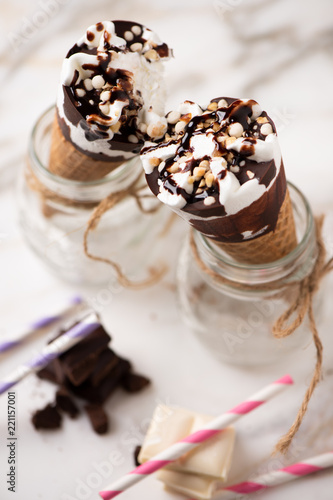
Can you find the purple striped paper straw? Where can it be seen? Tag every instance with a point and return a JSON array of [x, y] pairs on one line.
[[41, 323], [51, 351], [190, 442]]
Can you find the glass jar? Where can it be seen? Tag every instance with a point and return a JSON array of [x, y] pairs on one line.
[[54, 223], [234, 319]]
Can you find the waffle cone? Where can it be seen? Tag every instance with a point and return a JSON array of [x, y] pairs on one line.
[[270, 246], [66, 161]]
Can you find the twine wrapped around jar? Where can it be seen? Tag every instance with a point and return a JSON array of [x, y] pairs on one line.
[[135, 190], [300, 306]]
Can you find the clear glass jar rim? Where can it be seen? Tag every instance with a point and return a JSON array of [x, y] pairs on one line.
[[111, 177], [285, 261]]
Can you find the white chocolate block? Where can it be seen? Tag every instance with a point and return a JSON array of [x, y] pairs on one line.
[[169, 425], [192, 485]]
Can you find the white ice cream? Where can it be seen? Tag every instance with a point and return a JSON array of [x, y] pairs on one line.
[[233, 195], [146, 69]]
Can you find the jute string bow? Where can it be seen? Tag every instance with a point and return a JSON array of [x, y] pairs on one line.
[[135, 190], [300, 307]]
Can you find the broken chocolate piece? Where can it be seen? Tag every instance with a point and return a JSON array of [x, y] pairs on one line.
[[65, 403], [53, 372], [48, 373], [79, 361], [106, 361], [98, 394], [136, 455], [47, 418], [98, 418], [132, 382]]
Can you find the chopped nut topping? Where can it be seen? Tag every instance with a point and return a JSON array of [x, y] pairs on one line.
[[88, 84], [173, 117], [136, 30], [266, 129], [234, 168], [136, 47], [152, 55], [209, 200], [222, 103], [143, 128], [80, 92], [204, 164], [98, 82], [105, 95], [262, 119], [209, 180], [154, 161], [186, 118], [156, 130], [212, 106], [180, 127], [115, 128], [105, 108], [230, 140], [174, 168], [235, 130], [250, 174], [199, 172], [133, 138], [128, 36]]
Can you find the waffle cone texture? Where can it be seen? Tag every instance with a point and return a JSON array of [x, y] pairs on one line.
[[271, 246], [68, 162]]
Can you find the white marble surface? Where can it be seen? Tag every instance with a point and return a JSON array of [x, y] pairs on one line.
[[276, 51]]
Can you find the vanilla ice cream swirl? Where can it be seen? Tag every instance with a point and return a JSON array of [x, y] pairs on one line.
[[112, 91]]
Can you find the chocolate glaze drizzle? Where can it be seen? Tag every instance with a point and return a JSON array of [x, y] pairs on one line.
[[84, 111], [212, 219]]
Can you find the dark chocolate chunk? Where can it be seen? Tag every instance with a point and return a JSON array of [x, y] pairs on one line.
[[98, 394], [48, 373], [79, 361], [53, 372], [132, 382], [47, 418], [98, 418], [136, 455], [65, 403], [106, 361]]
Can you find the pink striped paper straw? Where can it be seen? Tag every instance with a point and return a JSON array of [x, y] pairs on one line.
[[73, 308], [275, 478], [188, 443]]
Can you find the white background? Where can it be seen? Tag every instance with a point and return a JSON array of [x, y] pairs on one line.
[[278, 52]]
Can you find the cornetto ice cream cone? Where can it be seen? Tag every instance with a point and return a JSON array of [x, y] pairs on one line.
[[111, 99], [270, 246], [67, 161], [221, 170]]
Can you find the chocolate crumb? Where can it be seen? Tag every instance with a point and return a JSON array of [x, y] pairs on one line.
[[47, 418], [132, 382], [98, 418], [65, 403], [136, 455]]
